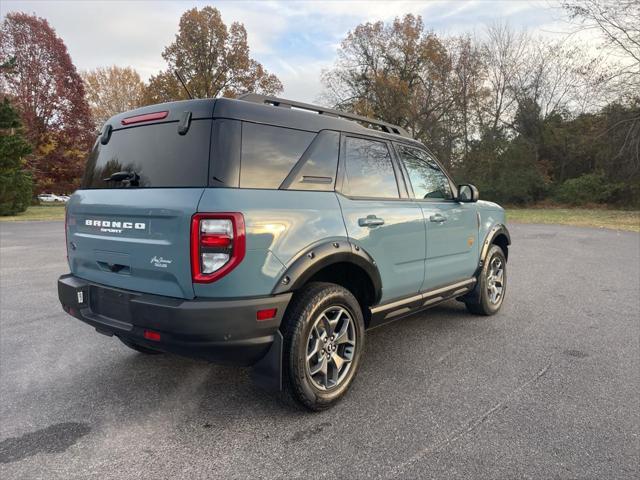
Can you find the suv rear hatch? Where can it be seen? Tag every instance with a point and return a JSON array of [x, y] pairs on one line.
[[132, 231]]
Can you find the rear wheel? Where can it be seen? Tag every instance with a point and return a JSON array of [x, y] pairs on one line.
[[492, 284], [323, 341], [139, 348]]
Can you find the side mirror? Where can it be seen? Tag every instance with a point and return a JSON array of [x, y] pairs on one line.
[[468, 193]]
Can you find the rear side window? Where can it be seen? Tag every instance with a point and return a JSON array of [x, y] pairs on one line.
[[157, 153], [368, 171], [269, 153]]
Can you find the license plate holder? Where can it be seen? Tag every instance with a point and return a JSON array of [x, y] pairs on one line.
[[110, 303]]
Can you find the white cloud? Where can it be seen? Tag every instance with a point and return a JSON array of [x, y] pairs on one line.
[[294, 40]]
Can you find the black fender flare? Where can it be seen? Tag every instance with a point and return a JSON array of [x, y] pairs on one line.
[[314, 258], [497, 229]]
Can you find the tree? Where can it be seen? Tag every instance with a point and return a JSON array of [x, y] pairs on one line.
[[15, 183], [618, 23], [213, 58], [48, 93], [112, 90], [401, 73]]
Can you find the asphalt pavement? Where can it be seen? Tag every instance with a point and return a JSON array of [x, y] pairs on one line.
[[548, 388]]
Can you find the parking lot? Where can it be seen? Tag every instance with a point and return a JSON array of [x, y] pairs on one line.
[[548, 388]]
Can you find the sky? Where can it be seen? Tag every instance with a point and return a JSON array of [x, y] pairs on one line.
[[296, 40]]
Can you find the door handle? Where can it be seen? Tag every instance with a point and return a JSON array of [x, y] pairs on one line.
[[437, 218], [370, 221]]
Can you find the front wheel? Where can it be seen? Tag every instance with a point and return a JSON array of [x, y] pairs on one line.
[[492, 284], [323, 342]]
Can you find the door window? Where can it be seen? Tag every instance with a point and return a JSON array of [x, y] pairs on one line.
[[369, 171], [426, 176]]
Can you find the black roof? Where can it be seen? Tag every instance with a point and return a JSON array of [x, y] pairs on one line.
[[254, 110]]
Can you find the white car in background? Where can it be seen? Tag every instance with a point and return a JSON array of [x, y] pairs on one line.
[[51, 197]]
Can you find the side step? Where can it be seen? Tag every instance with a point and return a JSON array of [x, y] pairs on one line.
[[388, 312]]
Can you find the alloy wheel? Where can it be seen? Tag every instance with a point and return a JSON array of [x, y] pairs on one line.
[[495, 280], [330, 348]]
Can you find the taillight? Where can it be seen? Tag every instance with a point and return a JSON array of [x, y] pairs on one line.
[[217, 245]]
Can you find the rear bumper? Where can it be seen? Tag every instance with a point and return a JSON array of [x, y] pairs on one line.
[[221, 331]]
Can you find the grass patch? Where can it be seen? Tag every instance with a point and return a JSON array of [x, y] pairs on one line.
[[38, 212], [582, 217]]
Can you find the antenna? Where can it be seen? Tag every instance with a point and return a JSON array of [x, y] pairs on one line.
[[184, 85]]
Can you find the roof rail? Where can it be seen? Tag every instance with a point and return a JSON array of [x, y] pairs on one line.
[[329, 112]]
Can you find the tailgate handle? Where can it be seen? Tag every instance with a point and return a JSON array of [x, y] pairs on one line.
[[115, 267]]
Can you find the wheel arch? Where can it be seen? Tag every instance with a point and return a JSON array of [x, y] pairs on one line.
[[338, 261], [498, 235]]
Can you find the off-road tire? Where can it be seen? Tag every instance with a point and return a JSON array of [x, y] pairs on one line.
[[305, 308]]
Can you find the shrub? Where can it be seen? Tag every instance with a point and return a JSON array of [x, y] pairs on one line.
[[588, 188]]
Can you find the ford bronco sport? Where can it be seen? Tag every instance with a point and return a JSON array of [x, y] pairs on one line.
[[271, 233]]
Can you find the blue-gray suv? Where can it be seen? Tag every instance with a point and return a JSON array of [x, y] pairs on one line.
[[270, 233]]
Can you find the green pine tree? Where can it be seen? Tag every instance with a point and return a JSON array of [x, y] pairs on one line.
[[16, 185]]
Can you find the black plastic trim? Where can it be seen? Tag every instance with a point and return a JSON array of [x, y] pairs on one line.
[[400, 308], [184, 124], [106, 134], [315, 258], [496, 230], [224, 331]]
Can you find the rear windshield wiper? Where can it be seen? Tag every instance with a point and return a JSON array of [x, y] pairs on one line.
[[127, 178]]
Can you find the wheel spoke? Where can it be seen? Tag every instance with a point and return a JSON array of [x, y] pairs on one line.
[[325, 371], [333, 322], [343, 335], [315, 350], [320, 367], [338, 361]]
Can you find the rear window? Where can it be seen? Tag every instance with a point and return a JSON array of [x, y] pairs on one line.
[[157, 153], [269, 153]]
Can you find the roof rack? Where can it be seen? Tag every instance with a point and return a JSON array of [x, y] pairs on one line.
[[329, 112]]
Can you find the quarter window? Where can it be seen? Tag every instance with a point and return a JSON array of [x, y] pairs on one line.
[[316, 170], [269, 153], [427, 179], [369, 171]]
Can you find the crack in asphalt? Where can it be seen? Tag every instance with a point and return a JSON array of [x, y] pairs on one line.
[[398, 469]]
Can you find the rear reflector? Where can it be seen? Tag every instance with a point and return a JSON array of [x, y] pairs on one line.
[[151, 335], [221, 241], [266, 314], [147, 117]]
